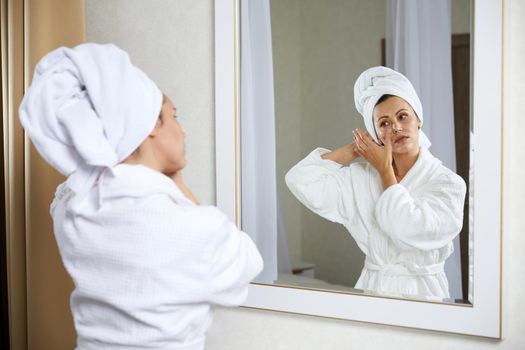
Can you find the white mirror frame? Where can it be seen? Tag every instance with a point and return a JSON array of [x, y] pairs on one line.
[[484, 317]]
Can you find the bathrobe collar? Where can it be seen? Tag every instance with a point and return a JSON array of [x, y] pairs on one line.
[[135, 181], [422, 167], [425, 164]]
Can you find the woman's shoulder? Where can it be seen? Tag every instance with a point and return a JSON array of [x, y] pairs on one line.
[[454, 180], [441, 175], [164, 217], [360, 167], [171, 210]]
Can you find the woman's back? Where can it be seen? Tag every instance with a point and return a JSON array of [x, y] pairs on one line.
[[148, 264]]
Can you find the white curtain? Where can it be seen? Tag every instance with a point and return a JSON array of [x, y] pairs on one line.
[[259, 195], [418, 44]]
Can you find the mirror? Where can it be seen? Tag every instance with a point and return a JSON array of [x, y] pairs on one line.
[[240, 164], [299, 63]]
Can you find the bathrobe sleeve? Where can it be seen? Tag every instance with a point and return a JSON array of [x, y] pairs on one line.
[[234, 262], [426, 220], [323, 186]]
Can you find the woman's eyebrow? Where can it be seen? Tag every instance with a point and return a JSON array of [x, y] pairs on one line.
[[402, 109]]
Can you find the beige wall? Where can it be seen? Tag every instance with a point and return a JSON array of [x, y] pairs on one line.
[[460, 19], [255, 329], [286, 40], [338, 44], [319, 50]]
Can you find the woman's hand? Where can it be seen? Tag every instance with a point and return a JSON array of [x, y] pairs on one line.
[[177, 178], [342, 155], [380, 157]]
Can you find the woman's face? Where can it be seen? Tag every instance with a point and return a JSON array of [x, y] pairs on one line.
[[170, 139], [397, 115]]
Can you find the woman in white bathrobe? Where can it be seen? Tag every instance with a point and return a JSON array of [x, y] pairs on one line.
[[147, 261], [399, 203]]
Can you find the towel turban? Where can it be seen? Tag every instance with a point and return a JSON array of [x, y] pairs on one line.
[[88, 108], [378, 81]]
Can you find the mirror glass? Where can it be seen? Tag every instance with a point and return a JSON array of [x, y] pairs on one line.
[[299, 62]]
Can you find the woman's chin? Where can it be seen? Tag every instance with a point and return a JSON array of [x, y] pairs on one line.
[[405, 149], [175, 167]]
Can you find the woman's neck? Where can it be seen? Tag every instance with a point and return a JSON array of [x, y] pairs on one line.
[[403, 162], [144, 155]]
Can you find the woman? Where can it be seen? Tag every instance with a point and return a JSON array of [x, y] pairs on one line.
[[399, 203], [148, 262]]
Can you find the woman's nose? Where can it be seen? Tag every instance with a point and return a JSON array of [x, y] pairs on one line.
[[396, 127]]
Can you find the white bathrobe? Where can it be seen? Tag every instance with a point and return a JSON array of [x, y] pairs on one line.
[[148, 265], [406, 231]]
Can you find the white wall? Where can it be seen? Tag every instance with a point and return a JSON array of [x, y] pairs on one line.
[[189, 33], [156, 34]]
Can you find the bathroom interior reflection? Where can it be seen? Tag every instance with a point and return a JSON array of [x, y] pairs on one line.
[[308, 55]]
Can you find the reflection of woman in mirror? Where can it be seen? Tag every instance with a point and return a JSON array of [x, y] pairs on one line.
[[399, 203]]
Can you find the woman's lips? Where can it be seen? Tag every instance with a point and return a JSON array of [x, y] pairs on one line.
[[401, 139]]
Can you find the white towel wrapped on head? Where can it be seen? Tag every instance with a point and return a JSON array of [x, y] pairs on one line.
[[378, 81], [88, 108]]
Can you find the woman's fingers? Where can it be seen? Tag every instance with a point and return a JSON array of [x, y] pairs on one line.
[[357, 143], [360, 145], [359, 151], [361, 137], [361, 140], [388, 136], [388, 140], [375, 154]]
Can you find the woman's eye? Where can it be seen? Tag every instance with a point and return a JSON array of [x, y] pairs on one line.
[[384, 124], [403, 117]]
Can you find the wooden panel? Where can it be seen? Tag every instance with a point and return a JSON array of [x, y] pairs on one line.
[[51, 24], [4, 306], [12, 33]]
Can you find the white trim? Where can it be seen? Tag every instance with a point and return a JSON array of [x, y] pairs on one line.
[[483, 318], [226, 107]]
